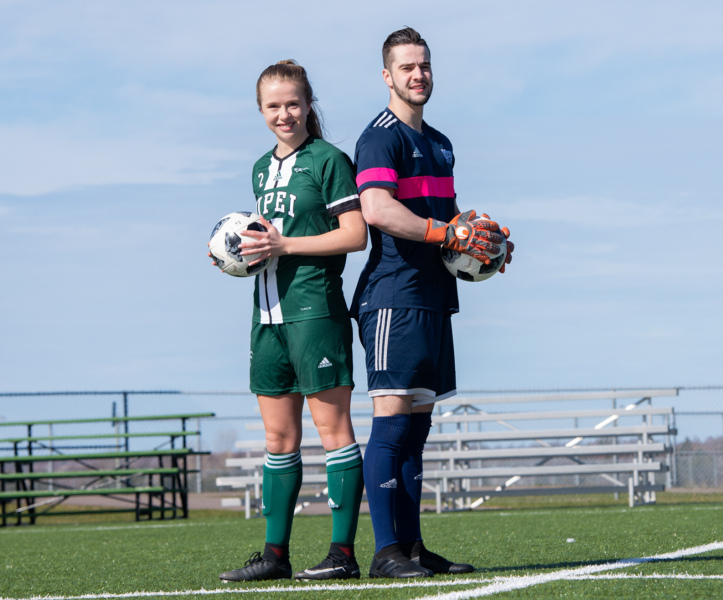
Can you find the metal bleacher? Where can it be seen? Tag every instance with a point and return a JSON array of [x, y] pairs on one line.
[[486, 446]]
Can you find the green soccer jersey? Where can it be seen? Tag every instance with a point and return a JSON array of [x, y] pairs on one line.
[[302, 194]]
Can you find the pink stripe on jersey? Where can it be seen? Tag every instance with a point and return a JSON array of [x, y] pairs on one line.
[[414, 187], [368, 175]]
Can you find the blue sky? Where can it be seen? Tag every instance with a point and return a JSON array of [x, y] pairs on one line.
[[593, 130]]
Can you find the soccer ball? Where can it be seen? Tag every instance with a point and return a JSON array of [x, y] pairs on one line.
[[225, 238], [468, 268]]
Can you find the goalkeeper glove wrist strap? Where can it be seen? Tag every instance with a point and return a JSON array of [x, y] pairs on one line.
[[436, 232]]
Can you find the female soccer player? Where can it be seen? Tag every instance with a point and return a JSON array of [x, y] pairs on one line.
[[301, 335]]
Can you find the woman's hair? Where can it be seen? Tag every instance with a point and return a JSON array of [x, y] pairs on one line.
[[290, 70]]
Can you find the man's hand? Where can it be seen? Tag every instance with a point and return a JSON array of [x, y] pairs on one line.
[[510, 248], [464, 234]]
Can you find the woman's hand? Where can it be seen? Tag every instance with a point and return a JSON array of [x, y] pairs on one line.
[[266, 244]]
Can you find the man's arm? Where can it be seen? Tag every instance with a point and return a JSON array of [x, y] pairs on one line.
[[461, 234], [382, 210]]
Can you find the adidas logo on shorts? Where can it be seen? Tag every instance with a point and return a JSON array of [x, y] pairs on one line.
[[391, 484], [325, 362], [332, 504], [419, 477]]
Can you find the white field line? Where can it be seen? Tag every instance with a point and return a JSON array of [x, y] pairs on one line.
[[591, 511], [537, 513], [341, 587], [507, 584], [67, 528], [494, 586], [641, 576]]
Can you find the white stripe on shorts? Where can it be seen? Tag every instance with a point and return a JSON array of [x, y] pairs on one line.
[[381, 340]]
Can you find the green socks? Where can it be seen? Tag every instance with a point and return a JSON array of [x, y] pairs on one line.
[[346, 484], [282, 482]]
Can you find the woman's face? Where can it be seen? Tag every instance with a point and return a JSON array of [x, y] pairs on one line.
[[285, 110]]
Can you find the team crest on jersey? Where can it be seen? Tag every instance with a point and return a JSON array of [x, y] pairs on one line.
[[448, 156]]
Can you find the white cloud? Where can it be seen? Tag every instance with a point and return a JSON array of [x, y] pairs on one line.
[[189, 33], [43, 159], [554, 108], [604, 27], [180, 35], [610, 213], [184, 103], [581, 55], [105, 79]]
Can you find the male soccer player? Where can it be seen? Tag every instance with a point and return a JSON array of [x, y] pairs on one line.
[[405, 298]]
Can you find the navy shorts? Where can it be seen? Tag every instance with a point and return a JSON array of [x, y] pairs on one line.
[[409, 352]]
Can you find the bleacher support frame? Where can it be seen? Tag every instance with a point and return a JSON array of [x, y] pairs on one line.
[[628, 456]]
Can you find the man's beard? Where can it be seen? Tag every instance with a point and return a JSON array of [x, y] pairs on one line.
[[416, 101]]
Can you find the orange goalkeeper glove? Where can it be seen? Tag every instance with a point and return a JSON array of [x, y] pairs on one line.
[[466, 235]]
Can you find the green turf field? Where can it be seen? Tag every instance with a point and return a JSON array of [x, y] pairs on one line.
[[540, 553]]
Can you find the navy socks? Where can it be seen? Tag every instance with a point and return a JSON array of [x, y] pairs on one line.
[[381, 473], [409, 476]]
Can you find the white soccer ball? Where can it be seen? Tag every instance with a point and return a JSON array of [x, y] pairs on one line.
[[225, 239], [468, 268]]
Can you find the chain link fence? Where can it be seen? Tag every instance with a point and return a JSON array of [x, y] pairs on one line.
[[699, 470], [698, 459]]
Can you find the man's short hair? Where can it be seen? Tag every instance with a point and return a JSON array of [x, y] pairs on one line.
[[400, 38]]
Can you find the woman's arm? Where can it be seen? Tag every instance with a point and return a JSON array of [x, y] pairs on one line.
[[350, 237]]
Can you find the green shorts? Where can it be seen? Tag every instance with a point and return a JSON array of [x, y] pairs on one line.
[[302, 356]]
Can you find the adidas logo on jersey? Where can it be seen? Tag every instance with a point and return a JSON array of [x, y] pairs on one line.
[[325, 362], [391, 484], [278, 177], [417, 153], [332, 504]]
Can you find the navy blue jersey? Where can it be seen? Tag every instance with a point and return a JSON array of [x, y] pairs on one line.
[[417, 167]]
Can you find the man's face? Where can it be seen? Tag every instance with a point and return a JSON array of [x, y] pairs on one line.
[[410, 74]]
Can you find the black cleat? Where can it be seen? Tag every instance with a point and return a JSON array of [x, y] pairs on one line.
[[334, 566], [436, 563], [257, 568], [397, 566]]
